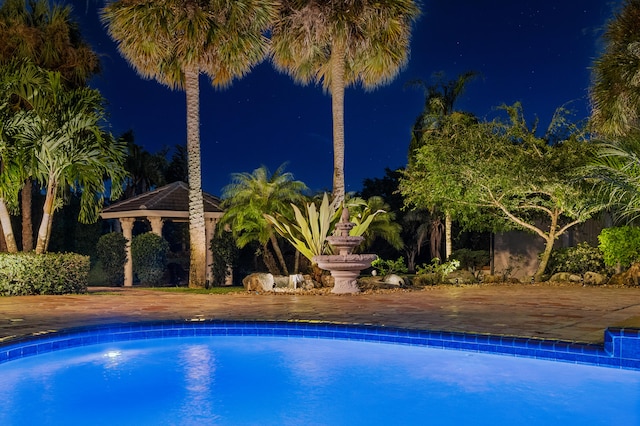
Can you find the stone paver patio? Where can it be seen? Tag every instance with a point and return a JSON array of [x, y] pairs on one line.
[[569, 312]]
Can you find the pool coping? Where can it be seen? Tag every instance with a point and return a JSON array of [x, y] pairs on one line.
[[621, 348]]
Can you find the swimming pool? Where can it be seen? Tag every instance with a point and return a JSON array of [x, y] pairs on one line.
[[231, 373]]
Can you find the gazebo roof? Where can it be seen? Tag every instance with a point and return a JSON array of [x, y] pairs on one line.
[[169, 201]]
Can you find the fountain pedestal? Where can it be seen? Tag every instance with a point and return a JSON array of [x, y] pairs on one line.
[[345, 267]]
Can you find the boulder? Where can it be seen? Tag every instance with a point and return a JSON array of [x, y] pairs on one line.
[[593, 278], [327, 281], [393, 279], [565, 276], [281, 281], [629, 277], [258, 282]]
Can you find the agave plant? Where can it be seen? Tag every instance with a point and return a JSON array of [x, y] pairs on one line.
[[308, 233]]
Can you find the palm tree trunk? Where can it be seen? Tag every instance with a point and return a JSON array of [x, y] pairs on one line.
[[337, 110], [296, 263], [269, 261], [447, 235], [276, 248], [197, 243], [27, 222], [7, 228], [47, 216]]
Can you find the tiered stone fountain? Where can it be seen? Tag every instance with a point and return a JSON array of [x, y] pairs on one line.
[[344, 266]]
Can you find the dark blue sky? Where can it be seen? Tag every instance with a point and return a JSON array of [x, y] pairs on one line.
[[536, 52]]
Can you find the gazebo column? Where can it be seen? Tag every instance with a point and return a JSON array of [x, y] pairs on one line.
[[156, 224], [127, 231], [209, 229]]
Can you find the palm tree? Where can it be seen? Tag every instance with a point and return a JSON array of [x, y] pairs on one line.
[[615, 93], [340, 43], [439, 103], [64, 130], [47, 36], [145, 170], [616, 171], [382, 224], [249, 196], [173, 41], [20, 82]]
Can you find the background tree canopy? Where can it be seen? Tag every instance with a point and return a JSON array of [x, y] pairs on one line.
[[500, 174]]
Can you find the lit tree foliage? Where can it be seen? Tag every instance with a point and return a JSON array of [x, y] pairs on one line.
[[500, 173]]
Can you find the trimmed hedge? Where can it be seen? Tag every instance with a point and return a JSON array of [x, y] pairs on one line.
[[149, 252], [24, 274], [112, 252]]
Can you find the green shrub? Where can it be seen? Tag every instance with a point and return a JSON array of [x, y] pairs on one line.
[[435, 272], [471, 259], [225, 256], [386, 267], [149, 253], [620, 245], [112, 252], [577, 260], [51, 273]]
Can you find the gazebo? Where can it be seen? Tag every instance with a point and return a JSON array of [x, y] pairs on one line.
[[169, 202]]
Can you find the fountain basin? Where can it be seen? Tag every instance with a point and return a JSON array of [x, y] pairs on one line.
[[345, 268]]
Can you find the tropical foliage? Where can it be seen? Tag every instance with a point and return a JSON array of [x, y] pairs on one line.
[[64, 130], [373, 219], [46, 36], [56, 138], [308, 233], [615, 172], [249, 197], [339, 44], [615, 93], [173, 42]]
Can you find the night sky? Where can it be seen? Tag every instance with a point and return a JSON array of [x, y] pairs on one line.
[[536, 52]]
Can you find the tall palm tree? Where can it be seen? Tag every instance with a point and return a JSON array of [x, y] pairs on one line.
[[439, 102], [249, 196], [47, 36], [340, 43], [173, 42], [615, 92]]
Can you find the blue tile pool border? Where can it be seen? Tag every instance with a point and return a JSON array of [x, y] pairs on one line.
[[621, 348]]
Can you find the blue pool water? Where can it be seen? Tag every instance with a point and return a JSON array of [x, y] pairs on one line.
[[276, 380]]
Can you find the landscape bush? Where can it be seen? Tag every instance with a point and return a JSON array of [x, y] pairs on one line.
[[149, 253], [111, 250], [386, 267], [577, 260], [225, 258], [620, 245], [435, 272], [24, 274]]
